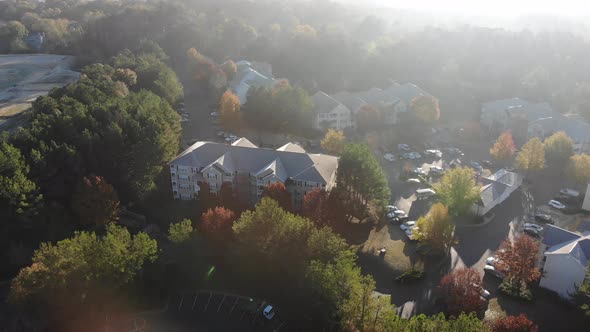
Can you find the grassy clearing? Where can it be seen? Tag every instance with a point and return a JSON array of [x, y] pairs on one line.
[[386, 236], [12, 110]]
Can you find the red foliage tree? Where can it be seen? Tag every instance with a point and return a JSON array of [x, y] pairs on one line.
[[217, 224], [315, 204], [461, 290], [517, 260], [95, 201], [279, 193], [519, 323]]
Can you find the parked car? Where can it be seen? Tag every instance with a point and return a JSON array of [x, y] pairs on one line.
[[214, 114], [570, 192], [389, 157], [391, 208], [491, 260], [533, 229], [486, 163], [419, 171], [489, 269], [543, 218], [485, 294], [436, 170], [455, 152], [413, 180], [425, 193], [556, 204], [403, 147], [475, 165], [433, 153], [269, 312], [399, 212], [407, 225], [410, 155], [410, 234]]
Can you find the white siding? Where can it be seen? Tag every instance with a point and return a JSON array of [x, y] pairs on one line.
[[586, 205], [562, 273]]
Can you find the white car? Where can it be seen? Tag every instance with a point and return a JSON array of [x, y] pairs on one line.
[[407, 225], [399, 212], [391, 208], [492, 270], [269, 312], [214, 114], [436, 170], [533, 226], [413, 180], [435, 153], [389, 157], [391, 215], [555, 204], [404, 147], [419, 171]]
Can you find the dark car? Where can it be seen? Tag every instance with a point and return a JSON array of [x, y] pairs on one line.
[[543, 218], [486, 163]]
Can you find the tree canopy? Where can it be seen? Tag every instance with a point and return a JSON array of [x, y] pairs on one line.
[[579, 168], [180, 231], [518, 260], [531, 156], [436, 229], [559, 147], [457, 190], [361, 175], [333, 142], [229, 107], [75, 269], [95, 202], [461, 290], [425, 108], [504, 147]]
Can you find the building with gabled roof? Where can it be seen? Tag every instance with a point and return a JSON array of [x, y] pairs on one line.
[[566, 258], [495, 189], [330, 113], [248, 169]]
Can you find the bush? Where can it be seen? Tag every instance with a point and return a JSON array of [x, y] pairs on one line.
[[520, 293], [410, 275]]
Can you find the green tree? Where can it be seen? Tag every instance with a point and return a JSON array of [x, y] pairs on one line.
[[76, 270], [361, 175], [582, 295], [457, 190], [531, 156], [334, 141], [95, 202], [19, 196], [504, 147], [180, 231], [425, 108], [559, 147], [436, 229], [579, 168]]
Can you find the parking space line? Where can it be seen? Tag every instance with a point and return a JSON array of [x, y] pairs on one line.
[[219, 308], [180, 304], [232, 308], [194, 301], [209, 300]]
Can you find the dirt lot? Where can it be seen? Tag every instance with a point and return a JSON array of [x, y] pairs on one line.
[[23, 78]]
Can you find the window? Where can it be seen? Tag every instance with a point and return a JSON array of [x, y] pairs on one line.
[[227, 174]]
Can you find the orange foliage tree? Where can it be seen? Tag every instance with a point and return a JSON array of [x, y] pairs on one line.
[[217, 223], [426, 108], [504, 147], [279, 193], [229, 107], [520, 323], [461, 290], [517, 260]]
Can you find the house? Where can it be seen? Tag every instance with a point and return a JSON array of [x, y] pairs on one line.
[[250, 75], [496, 188], [35, 40], [566, 258], [248, 169], [330, 113], [526, 120], [389, 101]]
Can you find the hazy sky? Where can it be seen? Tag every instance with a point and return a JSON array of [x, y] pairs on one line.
[[503, 8]]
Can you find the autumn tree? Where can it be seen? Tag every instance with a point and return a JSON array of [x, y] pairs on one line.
[[230, 69], [436, 229], [461, 290], [77, 270], [95, 201], [315, 205], [217, 223], [279, 193], [425, 108], [504, 147], [333, 142], [180, 231], [229, 107], [457, 190], [559, 147], [531, 156], [517, 260], [520, 323], [200, 67], [579, 168], [126, 75]]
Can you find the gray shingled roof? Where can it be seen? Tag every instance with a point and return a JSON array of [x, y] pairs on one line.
[[300, 166], [563, 242], [323, 103], [496, 184], [554, 235]]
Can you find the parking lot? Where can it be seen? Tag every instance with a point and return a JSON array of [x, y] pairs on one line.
[[214, 311]]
